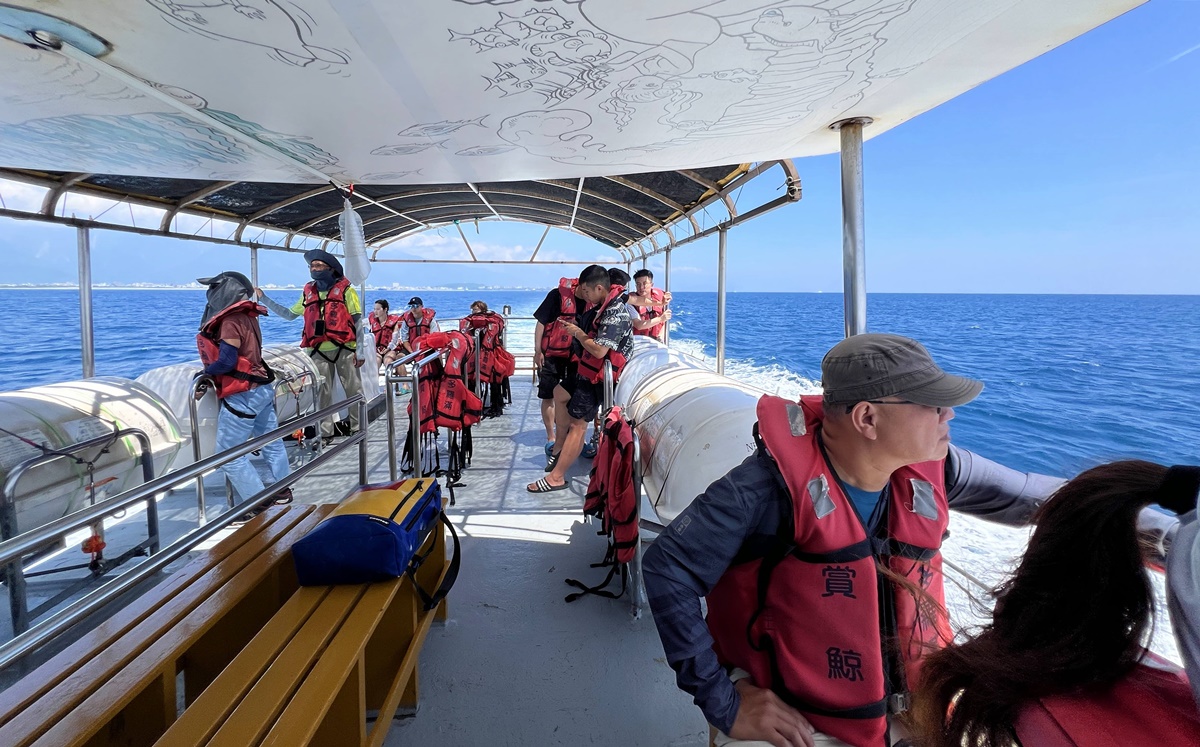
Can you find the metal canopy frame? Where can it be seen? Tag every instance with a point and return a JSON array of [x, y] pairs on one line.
[[635, 214]]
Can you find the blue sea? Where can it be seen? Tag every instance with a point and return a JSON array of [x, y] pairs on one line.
[[1071, 381]]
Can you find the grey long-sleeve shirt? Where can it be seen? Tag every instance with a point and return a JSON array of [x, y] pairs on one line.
[[745, 509], [1183, 595]]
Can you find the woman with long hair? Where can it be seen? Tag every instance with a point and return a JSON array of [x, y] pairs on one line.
[[1063, 660]]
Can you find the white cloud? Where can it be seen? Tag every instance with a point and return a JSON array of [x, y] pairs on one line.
[[21, 196]]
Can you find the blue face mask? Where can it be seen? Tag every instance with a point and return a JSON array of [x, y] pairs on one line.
[[323, 278]]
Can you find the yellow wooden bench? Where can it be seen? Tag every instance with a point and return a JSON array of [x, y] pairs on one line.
[[230, 650]]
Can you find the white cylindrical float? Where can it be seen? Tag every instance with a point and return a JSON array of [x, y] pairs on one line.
[[693, 425], [59, 415], [295, 392]]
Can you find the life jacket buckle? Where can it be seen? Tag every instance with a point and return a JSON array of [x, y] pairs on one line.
[[899, 702]]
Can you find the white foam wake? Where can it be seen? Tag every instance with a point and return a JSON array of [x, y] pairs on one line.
[[772, 378]]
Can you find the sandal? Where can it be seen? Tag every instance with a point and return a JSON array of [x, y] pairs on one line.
[[553, 460], [541, 486], [282, 498], [589, 451]]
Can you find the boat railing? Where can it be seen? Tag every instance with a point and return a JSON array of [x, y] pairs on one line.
[[390, 380], [14, 575], [609, 386], [13, 550]]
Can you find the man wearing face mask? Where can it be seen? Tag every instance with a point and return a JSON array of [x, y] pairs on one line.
[[331, 310]]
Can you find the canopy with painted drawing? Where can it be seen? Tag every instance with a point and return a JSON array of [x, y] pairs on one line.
[[238, 106]]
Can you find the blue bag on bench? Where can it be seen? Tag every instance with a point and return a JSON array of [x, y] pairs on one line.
[[375, 535]]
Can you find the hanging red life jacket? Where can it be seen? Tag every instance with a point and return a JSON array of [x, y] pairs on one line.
[[327, 319], [418, 327], [1152, 705], [649, 312], [384, 331], [805, 620], [242, 378], [610, 493], [491, 326], [556, 341], [445, 400], [591, 368]]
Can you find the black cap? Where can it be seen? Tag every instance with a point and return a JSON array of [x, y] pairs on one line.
[[415, 301], [874, 366]]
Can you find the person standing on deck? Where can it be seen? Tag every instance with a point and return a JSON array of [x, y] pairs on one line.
[[331, 310], [552, 345], [230, 345], [825, 544], [651, 304], [608, 335]]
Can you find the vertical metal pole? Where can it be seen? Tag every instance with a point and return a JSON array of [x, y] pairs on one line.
[[362, 445], [86, 340], [854, 242], [478, 371], [389, 397], [14, 572], [629, 269], [414, 402], [667, 287], [721, 300], [254, 266], [635, 568]]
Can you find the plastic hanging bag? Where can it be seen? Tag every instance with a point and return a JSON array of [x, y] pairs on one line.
[[358, 267]]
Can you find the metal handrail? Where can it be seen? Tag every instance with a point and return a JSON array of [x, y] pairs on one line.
[[609, 385], [414, 402], [75, 612], [208, 382], [14, 574], [635, 568], [194, 414], [26, 543]]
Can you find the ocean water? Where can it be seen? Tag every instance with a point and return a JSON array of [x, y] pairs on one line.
[[1071, 381]]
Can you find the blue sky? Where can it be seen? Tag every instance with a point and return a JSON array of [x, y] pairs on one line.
[[1074, 173]]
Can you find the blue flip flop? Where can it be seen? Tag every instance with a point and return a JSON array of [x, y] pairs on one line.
[[589, 450], [549, 448]]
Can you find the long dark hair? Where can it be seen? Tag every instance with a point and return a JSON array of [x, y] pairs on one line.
[[1073, 616]]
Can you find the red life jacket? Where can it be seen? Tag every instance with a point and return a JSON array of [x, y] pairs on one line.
[[208, 342], [591, 368], [445, 399], [418, 327], [805, 620], [383, 331], [649, 312], [332, 312], [1149, 706], [491, 325], [556, 341], [610, 493]]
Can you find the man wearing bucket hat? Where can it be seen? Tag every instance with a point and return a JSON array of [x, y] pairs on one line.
[[819, 555], [331, 310], [230, 345]]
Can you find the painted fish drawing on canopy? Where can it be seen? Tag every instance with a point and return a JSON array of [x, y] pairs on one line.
[[284, 28]]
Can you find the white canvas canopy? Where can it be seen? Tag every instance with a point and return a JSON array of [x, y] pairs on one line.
[[451, 91]]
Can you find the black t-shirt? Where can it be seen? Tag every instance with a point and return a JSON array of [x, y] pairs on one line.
[[547, 312]]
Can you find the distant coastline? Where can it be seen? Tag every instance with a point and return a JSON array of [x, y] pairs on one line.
[[266, 287]]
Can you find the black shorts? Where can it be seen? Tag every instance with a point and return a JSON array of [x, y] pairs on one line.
[[551, 374], [586, 398]]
